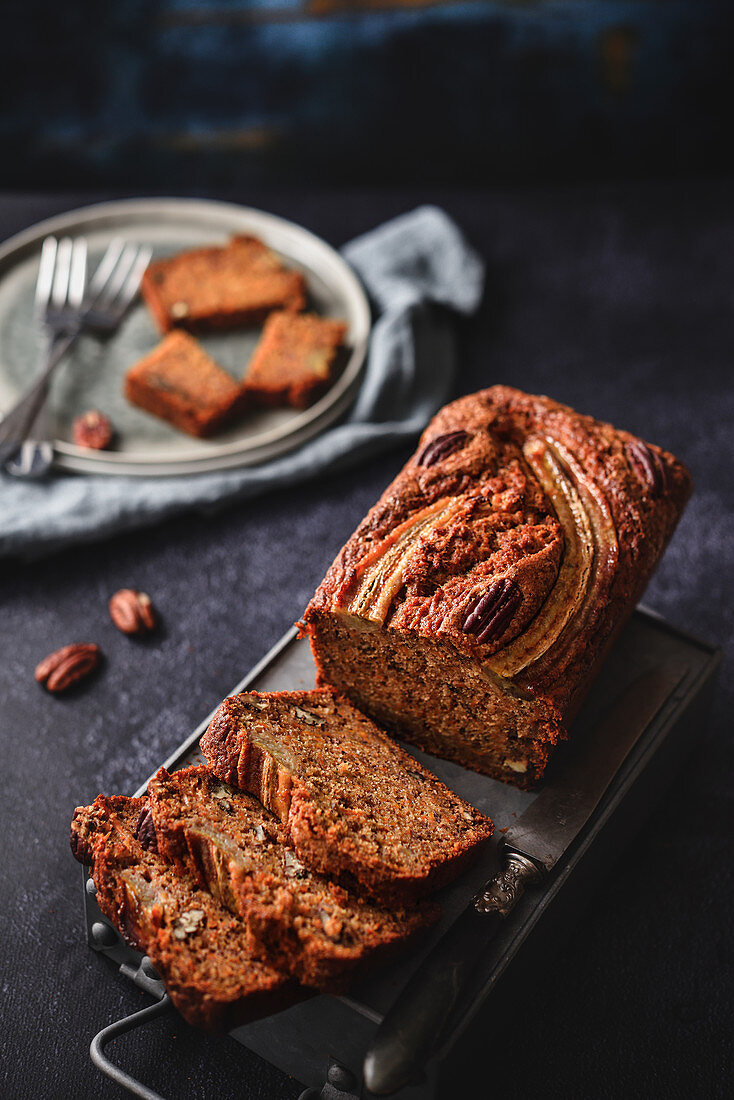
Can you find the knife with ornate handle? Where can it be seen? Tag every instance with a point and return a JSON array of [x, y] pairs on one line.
[[411, 1031]]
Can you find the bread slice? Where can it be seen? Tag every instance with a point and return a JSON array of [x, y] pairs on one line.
[[220, 286], [294, 360], [113, 818], [298, 921], [200, 950], [354, 805], [180, 383]]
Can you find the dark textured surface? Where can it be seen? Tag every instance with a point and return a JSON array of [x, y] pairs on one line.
[[153, 91], [615, 301]]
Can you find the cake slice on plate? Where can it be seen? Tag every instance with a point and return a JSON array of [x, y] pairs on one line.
[[180, 383], [221, 287], [294, 361]]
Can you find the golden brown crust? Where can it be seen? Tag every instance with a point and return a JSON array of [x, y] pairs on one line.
[[519, 536], [220, 286], [293, 362], [354, 805], [180, 383]]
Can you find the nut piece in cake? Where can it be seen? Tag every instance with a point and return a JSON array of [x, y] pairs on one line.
[[181, 384], [294, 361], [220, 287]]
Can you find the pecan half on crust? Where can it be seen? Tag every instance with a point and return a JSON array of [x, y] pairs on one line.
[[488, 614], [67, 666], [648, 465], [441, 447], [132, 611]]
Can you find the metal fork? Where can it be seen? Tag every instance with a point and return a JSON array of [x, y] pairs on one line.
[[62, 274], [64, 305]]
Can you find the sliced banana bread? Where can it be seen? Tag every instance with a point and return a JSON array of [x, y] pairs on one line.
[[298, 921], [200, 950], [220, 286], [354, 804], [294, 361], [180, 383]]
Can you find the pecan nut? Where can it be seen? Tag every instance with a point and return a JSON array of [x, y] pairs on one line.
[[145, 830], [648, 466], [488, 614], [441, 447], [92, 429], [65, 667], [132, 611]]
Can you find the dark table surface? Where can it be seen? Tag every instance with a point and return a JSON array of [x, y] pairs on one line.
[[616, 300]]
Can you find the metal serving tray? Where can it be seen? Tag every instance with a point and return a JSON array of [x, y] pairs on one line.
[[324, 1039]]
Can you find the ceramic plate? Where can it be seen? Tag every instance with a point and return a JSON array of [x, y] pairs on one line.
[[92, 374]]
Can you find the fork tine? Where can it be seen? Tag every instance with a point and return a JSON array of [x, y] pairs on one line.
[[61, 273], [119, 275], [45, 279], [106, 266], [78, 275], [132, 282]]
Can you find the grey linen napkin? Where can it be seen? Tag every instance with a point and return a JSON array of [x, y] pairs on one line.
[[408, 266]]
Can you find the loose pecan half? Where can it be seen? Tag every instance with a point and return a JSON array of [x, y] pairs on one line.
[[441, 447], [132, 611], [92, 429], [648, 465], [488, 614], [145, 830], [67, 666]]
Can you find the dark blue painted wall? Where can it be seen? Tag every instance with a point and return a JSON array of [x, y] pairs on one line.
[[171, 92]]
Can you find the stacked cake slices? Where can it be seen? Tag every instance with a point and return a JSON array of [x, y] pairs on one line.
[[292, 863], [200, 950]]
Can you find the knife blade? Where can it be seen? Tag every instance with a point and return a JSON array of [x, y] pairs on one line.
[[411, 1030], [554, 819]]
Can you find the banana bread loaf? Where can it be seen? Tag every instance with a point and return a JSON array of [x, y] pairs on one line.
[[200, 950], [220, 286], [354, 805], [298, 921], [472, 607]]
